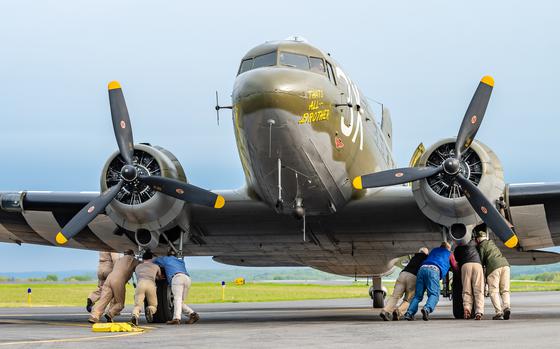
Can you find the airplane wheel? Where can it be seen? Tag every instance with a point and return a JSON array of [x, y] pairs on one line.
[[378, 299], [457, 295], [165, 302]]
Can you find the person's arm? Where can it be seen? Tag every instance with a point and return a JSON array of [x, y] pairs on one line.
[[453, 262]]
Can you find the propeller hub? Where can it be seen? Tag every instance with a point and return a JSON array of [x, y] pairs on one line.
[[129, 173], [452, 166]]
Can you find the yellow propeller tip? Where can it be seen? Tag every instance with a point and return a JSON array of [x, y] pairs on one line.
[[61, 239], [220, 202], [357, 183], [488, 80], [114, 85], [512, 242]]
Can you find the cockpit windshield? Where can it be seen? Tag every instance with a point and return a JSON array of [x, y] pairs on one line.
[[285, 59], [294, 60]]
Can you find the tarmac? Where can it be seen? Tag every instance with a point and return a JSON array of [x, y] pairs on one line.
[[340, 323]]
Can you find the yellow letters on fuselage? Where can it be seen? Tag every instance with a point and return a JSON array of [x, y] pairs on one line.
[[315, 110]]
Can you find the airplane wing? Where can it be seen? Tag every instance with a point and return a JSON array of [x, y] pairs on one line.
[[367, 237]]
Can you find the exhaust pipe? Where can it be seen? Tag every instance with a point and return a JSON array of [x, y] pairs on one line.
[[146, 239], [461, 233]]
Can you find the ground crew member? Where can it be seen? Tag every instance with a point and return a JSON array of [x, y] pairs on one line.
[[146, 274], [434, 268], [405, 285], [114, 288], [104, 268], [180, 281], [472, 278], [497, 273]]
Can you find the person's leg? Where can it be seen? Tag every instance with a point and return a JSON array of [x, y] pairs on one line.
[[104, 299], [478, 288], [151, 297], [177, 287], [493, 281], [187, 282], [398, 292], [504, 287], [466, 280], [419, 293], [119, 294], [432, 286], [139, 296], [410, 287]]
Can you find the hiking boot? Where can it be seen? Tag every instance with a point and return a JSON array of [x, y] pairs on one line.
[[149, 316], [134, 320], [396, 316], [478, 316], [507, 313], [499, 316], [174, 322], [108, 318], [425, 314], [466, 314], [89, 305], [193, 317], [408, 317], [384, 315], [93, 320]]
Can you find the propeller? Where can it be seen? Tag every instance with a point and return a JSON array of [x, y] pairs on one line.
[[171, 187], [452, 167]]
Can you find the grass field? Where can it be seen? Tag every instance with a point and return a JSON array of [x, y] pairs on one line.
[[15, 295]]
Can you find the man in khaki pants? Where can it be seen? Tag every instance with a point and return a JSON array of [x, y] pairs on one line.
[[104, 268], [114, 288], [405, 285], [146, 274], [497, 273], [472, 279]]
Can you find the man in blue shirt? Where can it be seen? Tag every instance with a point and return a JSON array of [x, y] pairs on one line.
[[434, 268], [180, 281]]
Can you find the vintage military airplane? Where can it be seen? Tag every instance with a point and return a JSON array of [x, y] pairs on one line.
[[308, 143]]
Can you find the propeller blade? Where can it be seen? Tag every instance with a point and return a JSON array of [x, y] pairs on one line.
[[487, 212], [184, 191], [474, 115], [87, 214], [394, 176], [121, 122]]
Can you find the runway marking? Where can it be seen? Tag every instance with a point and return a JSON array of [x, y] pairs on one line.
[[63, 340]]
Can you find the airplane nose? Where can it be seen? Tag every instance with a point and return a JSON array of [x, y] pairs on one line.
[[269, 80]]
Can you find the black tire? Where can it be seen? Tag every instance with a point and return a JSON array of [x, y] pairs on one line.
[[378, 299], [164, 311], [457, 295]]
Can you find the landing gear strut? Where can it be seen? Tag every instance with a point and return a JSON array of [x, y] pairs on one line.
[[377, 293]]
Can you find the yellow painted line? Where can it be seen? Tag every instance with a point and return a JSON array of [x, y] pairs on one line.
[[75, 339]]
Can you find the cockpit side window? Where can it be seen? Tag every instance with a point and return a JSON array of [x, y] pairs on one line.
[[294, 60], [331, 73], [246, 64], [317, 65], [265, 60]]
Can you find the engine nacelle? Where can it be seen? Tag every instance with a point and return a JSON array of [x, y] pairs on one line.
[[138, 207], [440, 200]]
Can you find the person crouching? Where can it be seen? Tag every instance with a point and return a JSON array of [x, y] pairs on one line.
[[146, 274]]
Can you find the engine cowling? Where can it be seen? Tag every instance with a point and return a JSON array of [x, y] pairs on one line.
[[138, 207], [444, 203]]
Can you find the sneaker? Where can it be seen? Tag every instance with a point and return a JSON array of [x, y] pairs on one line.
[[149, 316], [478, 316], [384, 315], [134, 320], [466, 314], [507, 313], [93, 320], [499, 316], [108, 318], [174, 322], [408, 317], [193, 317], [396, 316], [89, 305], [425, 314]]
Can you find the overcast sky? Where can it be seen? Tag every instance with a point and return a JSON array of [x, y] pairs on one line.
[[422, 59]]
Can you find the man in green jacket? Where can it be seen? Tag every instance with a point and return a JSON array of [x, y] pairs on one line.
[[497, 273]]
